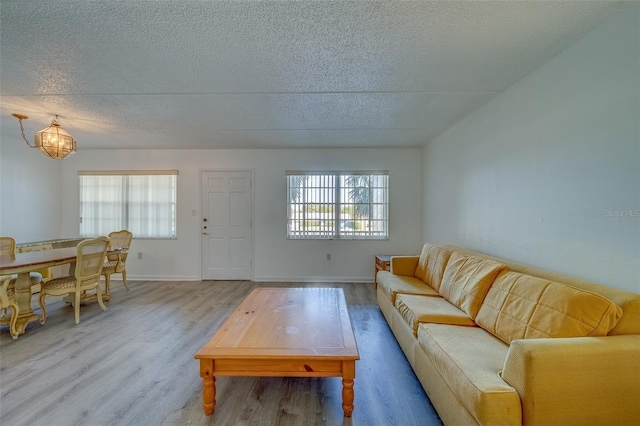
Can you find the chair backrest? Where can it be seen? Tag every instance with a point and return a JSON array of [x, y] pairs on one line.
[[120, 239], [7, 246], [90, 258]]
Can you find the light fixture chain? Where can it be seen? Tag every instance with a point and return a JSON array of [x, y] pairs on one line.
[[23, 136]]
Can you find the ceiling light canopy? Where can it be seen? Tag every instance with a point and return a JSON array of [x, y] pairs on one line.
[[54, 141]]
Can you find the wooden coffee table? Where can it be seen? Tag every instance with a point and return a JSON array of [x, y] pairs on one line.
[[288, 332]]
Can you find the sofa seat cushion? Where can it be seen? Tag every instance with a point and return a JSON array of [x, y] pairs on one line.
[[431, 265], [418, 309], [520, 306], [469, 360], [391, 285], [467, 279]]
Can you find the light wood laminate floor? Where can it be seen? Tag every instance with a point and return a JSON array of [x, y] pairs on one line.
[[134, 365]]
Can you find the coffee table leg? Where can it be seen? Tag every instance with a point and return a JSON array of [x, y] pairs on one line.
[[348, 374], [208, 386]]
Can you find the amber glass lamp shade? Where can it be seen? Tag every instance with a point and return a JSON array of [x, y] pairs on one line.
[[55, 142]]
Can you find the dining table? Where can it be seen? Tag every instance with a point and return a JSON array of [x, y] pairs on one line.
[[23, 263]]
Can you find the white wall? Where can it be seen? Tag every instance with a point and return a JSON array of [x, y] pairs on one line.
[[548, 173], [30, 190], [275, 258]]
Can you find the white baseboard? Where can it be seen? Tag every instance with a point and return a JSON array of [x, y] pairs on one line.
[[304, 279], [308, 279], [160, 278]]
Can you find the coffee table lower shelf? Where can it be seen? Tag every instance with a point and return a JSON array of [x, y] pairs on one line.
[[209, 368]]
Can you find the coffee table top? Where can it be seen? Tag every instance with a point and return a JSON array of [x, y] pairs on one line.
[[286, 323]]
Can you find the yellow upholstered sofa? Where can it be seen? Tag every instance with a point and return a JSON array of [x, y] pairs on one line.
[[495, 342]]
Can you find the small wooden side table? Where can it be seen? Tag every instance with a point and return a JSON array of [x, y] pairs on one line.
[[383, 263]]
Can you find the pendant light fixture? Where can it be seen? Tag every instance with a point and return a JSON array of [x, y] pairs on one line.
[[54, 141]]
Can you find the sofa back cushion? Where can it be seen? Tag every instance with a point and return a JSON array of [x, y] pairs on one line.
[[521, 306], [627, 300], [467, 279], [431, 265]]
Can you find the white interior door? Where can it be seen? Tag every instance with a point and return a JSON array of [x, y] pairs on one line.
[[226, 225]]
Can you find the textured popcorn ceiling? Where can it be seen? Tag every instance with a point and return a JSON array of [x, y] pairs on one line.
[[254, 74]]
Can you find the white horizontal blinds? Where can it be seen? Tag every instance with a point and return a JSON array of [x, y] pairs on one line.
[[295, 206], [321, 206], [125, 172], [364, 210], [311, 206], [336, 173], [337, 204], [101, 205], [152, 206], [144, 202]]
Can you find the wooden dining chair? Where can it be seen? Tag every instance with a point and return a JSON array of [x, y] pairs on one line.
[[89, 262], [7, 301], [8, 247], [117, 263]]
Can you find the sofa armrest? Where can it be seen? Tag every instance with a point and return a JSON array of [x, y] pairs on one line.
[[580, 380], [404, 265]]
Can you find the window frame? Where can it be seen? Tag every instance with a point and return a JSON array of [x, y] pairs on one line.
[[126, 203], [329, 221]]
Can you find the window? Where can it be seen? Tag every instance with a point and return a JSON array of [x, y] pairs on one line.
[[144, 202], [338, 204]]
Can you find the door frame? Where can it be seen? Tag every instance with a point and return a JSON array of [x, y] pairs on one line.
[[253, 209]]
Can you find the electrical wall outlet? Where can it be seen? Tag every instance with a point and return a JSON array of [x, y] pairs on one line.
[[328, 256], [139, 255]]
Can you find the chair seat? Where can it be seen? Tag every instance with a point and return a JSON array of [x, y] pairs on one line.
[[36, 278], [60, 283], [111, 265]]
